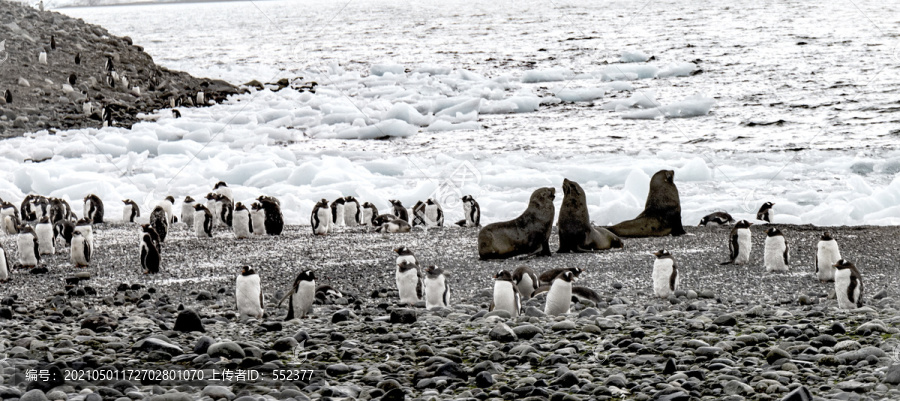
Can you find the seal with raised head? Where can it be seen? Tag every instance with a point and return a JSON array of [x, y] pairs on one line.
[[528, 233], [576, 234], [662, 212]]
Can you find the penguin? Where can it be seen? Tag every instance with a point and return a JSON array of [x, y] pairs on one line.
[[241, 224], [52, 41], [320, 220], [42, 58], [106, 116], [369, 213], [665, 274], [131, 211], [72, 79], [221, 188], [124, 80], [418, 212], [399, 211], [10, 218], [506, 294], [848, 285], [434, 214], [42, 206], [77, 58], [203, 221], [159, 223], [777, 252], [248, 294], [63, 231], [392, 225], [472, 212], [274, 223], [765, 212], [136, 90], [154, 236], [352, 212], [110, 81], [827, 254], [27, 243], [739, 244], [44, 232], [87, 108], [716, 219], [405, 255], [302, 296], [337, 212], [176, 113], [547, 277], [437, 288], [80, 250], [5, 265], [109, 64], [93, 209], [526, 281], [86, 229], [559, 298], [59, 210], [201, 98], [226, 210], [168, 204], [409, 284], [257, 219], [215, 207], [149, 255], [28, 210], [187, 211]]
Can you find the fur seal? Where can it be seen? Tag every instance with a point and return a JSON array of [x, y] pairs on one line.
[[528, 233], [662, 212], [576, 234]]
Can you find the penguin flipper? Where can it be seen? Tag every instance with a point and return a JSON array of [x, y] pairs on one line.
[[87, 252], [419, 288], [787, 256], [286, 297], [446, 295], [290, 314], [733, 246], [817, 262]]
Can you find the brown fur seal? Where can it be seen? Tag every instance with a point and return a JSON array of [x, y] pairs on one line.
[[662, 213], [575, 231], [528, 233]]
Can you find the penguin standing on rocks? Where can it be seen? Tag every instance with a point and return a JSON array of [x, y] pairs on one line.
[[9, 218], [274, 223], [665, 274], [337, 212], [93, 209], [77, 58], [320, 220], [257, 219], [716, 219], [52, 38], [399, 210], [739, 243], [168, 204], [149, 254], [154, 236], [559, 298], [765, 212], [409, 284], [7, 96], [506, 294], [526, 281], [226, 210], [248, 294], [80, 251], [131, 211], [352, 212], [215, 207], [437, 288], [158, 221], [418, 212], [434, 214], [369, 213], [848, 285], [63, 231], [5, 265], [203, 221], [241, 224], [777, 252], [472, 212], [302, 296], [42, 58], [28, 249], [187, 211], [827, 254], [44, 232]]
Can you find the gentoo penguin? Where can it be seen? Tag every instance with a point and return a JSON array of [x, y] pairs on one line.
[[506, 294], [399, 210], [59, 210], [248, 293], [559, 298], [27, 243], [28, 210], [149, 255], [526, 281], [257, 219], [434, 214], [42, 206], [418, 215], [437, 288], [72, 79], [42, 58], [52, 39], [93, 209], [241, 224], [827, 254], [158, 221], [739, 243], [110, 81], [87, 230], [176, 113], [203, 221], [320, 220], [201, 98], [215, 207], [154, 236], [63, 231], [168, 204], [5, 265], [369, 213], [302, 296], [848, 285], [226, 210], [777, 254], [87, 108], [665, 274], [187, 211], [337, 212], [547, 277], [472, 212], [7, 96], [77, 58], [44, 232], [131, 211], [109, 64], [10, 217], [765, 212], [716, 219], [409, 284], [274, 223], [352, 212], [391, 224], [80, 250], [404, 254], [221, 188]]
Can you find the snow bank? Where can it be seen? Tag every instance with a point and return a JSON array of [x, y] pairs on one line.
[[536, 76], [633, 56]]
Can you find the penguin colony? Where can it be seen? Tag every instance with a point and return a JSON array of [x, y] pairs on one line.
[[41, 225]]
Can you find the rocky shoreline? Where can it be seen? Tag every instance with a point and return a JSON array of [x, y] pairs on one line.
[[734, 332]]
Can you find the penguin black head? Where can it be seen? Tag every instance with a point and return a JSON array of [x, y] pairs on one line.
[[566, 276], [349, 198], [188, 199], [147, 228], [396, 203], [773, 232], [199, 207], [433, 271], [247, 271], [662, 254], [403, 251], [429, 201], [418, 205], [239, 206], [171, 199], [367, 205], [77, 58], [127, 201], [176, 113], [256, 206], [467, 198], [844, 264], [212, 196], [306, 275], [404, 266], [220, 184], [72, 79], [7, 96], [339, 201], [826, 236], [503, 275], [766, 206], [743, 224]]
